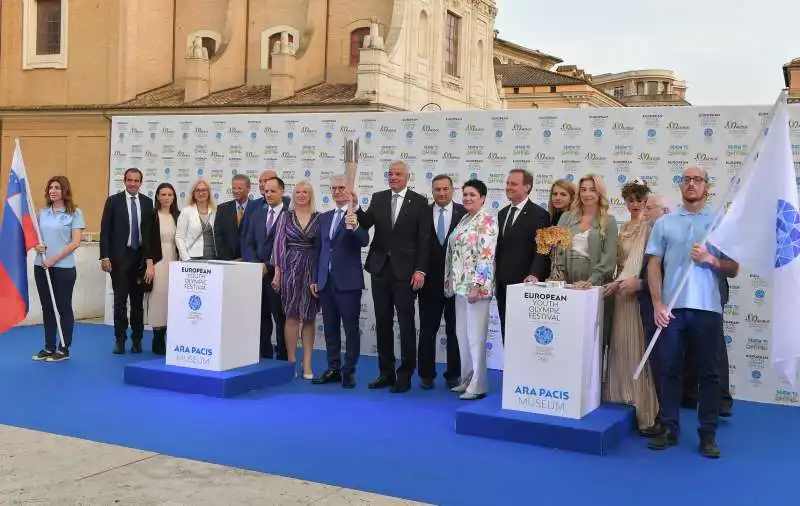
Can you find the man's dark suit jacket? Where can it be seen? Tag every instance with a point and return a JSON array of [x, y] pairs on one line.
[[258, 244], [227, 234], [516, 257], [407, 243], [259, 202], [342, 254], [434, 279], [115, 226]]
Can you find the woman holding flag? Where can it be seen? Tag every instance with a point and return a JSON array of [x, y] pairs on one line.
[[60, 226]]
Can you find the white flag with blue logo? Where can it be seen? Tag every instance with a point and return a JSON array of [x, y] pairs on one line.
[[761, 231]]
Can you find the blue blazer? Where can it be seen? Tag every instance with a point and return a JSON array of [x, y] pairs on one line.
[[257, 244], [342, 253], [255, 203]]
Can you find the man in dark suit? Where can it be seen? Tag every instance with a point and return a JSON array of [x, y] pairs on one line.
[[432, 302], [516, 259], [126, 251], [259, 202], [257, 247], [228, 220], [397, 262], [338, 282]]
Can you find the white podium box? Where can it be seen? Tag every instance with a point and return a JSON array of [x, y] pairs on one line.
[[553, 350], [214, 314]]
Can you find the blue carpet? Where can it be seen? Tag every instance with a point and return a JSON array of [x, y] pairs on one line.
[[399, 445]]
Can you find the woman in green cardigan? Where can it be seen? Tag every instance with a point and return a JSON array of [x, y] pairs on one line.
[[592, 258]]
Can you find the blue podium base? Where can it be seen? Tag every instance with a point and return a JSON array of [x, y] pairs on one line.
[[598, 433], [157, 374]]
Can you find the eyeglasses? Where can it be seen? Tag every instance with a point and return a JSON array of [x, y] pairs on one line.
[[693, 179]]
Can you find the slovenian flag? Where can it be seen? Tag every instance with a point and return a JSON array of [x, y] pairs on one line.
[[17, 237]]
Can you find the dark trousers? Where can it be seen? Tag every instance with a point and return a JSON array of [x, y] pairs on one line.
[[63, 280], [390, 294], [500, 295], [432, 304], [700, 329], [124, 280], [341, 308], [271, 309], [690, 378]]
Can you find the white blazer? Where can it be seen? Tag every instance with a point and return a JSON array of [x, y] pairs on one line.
[[189, 232]]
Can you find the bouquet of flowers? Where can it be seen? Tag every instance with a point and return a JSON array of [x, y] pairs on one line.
[[549, 241]]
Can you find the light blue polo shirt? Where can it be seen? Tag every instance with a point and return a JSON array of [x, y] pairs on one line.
[[671, 240], [56, 228]]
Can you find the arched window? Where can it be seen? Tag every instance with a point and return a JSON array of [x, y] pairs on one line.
[[210, 45], [275, 37], [356, 42]]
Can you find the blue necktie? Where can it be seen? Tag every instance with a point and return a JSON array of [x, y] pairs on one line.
[[336, 218], [134, 225], [441, 233]]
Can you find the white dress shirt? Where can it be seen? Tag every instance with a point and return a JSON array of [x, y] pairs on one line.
[[399, 204], [128, 203]]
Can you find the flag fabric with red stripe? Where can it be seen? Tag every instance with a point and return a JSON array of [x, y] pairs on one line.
[[17, 236]]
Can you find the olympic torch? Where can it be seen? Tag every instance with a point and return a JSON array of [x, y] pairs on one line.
[[351, 165]]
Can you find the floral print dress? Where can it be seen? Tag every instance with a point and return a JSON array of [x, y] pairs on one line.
[[470, 256]]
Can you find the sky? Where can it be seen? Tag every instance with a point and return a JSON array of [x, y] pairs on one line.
[[730, 52]]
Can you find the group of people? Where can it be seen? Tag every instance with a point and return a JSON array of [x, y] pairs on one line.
[[452, 258]]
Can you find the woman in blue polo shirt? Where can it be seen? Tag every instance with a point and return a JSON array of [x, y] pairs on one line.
[[60, 224]]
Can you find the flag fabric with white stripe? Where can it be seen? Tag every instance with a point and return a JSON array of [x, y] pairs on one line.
[[761, 231]]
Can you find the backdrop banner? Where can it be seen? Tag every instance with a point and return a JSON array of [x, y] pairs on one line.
[[653, 144]]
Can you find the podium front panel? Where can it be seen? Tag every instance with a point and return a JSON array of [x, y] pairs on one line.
[[194, 315], [551, 343]]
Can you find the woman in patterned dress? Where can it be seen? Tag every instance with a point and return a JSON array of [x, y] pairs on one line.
[[627, 341], [293, 258], [469, 276]]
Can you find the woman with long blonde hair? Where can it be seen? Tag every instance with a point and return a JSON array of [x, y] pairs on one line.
[[293, 258], [194, 233]]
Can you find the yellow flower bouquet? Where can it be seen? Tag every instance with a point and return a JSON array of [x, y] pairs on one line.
[[549, 241]]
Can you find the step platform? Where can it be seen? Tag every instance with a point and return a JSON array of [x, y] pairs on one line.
[[598, 433], [157, 374]]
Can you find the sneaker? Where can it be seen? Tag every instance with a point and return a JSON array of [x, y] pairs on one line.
[[709, 447], [44, 354], [663, 441], [59, 356]]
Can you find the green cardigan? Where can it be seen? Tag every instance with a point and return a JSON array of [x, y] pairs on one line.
[[602, 251]]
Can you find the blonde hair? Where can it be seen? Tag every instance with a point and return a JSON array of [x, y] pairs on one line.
[[312, 201], [602, 204], [569, 186], [193, 200]]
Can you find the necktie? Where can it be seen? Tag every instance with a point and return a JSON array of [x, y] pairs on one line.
[[395, 199], [511, 217], [134, 224], [239, 215], [336, 219], [270, 219], [440, 231]]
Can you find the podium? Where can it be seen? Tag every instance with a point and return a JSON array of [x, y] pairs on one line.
[[551, 376], [553, 350], [213, 322], [214, 314]]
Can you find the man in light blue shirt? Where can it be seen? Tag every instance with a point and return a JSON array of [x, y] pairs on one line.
[[674, 246]]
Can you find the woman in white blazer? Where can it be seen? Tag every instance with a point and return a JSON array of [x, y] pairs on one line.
[[194, 235]]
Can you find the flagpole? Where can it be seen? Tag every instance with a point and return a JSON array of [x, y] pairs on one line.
[[719, 214], [35, 221]]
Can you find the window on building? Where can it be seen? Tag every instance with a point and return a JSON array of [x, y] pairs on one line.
[[619, 92], [356, 43], [652, 87], [640, 88], [553, 89], [452, 30], [276, 37], [516, 91], [210, 45], [48, 27]]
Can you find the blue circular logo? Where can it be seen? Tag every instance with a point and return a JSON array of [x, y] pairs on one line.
[[498, 134], [708, 132], [489, 346], [651, 133], [328, 135], [760, 293], [495, 204], [185, 135], [199, 172], [622, 178], [290, 135], [195, 303], [598, 132], [166, 170], [409, 135], [183, 195], [788, 232], [570, 177], [543, 336], [756, 375], [307, 173], [676, 179], [152, 135], [429, 175], [325, 199], [253, 135], [547, 133], [728, 340], [216, 196]]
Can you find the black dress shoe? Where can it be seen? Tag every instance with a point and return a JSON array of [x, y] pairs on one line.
[[348, 381], [329, 376], [663, 440], [136, 346], [651, 432], [725, 411], [401, 387], [427, 384], [119, 347], [381, 382]]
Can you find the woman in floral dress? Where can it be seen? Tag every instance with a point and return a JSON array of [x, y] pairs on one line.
[[469, 276]]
